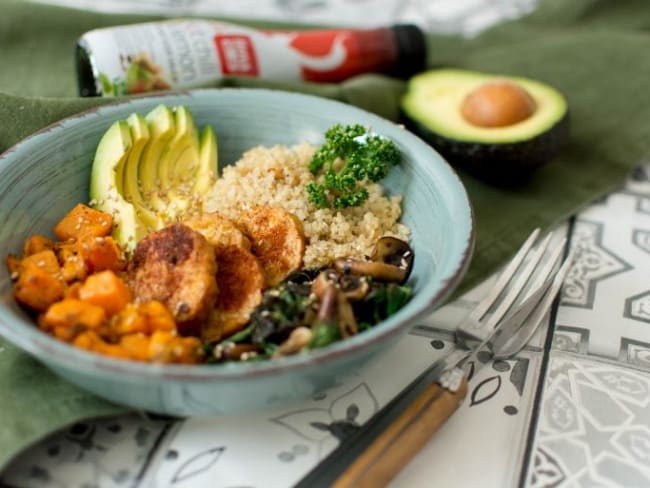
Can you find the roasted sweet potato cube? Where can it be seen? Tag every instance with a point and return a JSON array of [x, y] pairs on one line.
[[36, 244], [158, 343], [88, 340], [114, 350], [144, 318], [73, 267], [83, 221], [39, 282], [166, 347], [101, 253], [72, 291], [130, 321], [136, 346], [74, 314], [91, 341], [45, 260], [158, 317], [106, 290], [13, 266], [37, 289]]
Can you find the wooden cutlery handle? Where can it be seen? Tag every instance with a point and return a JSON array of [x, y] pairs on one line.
[[404, 438]]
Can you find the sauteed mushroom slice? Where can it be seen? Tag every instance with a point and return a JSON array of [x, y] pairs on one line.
[[354, 287], [391, 250], [346, 320], [335, 309], [374, 269], [299, 338], [327, 309], [391, 260]]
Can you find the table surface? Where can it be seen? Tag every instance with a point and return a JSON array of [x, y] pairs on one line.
[[572, 409]]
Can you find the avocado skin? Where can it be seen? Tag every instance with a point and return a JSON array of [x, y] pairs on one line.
[[502, 164]]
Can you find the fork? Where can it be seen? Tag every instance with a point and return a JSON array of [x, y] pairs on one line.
[[501, 324], [520, 274]]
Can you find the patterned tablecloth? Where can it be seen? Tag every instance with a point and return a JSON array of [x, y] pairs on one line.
[[572, 409]]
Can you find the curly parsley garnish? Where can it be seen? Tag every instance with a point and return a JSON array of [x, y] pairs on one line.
[[364, 156]]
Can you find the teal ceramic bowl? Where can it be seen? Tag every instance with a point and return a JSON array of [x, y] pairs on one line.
[[45, 175]]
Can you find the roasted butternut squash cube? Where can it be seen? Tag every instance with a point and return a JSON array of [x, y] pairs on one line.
[[136, 346], [73, 267], [158, 317], [39, 283], [144, 318], [46, 260], [170, 348], [88, 340], [72, 313], [83, 221], [101, 253], [130, 321], [73, 291], [13, 266], [91, 341], [106, 290], [36, 244]]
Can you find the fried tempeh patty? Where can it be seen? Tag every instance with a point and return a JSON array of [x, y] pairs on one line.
[[218, 230], [177, 266], [240, 281], [277, 239]]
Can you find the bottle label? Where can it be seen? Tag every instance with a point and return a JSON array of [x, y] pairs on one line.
[[192, 53]]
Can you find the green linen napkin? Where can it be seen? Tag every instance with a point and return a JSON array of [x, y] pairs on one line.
[[594, 51]]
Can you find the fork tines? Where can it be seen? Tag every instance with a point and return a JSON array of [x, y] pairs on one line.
[[525, 280]]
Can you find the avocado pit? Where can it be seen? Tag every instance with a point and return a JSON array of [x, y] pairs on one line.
[[498, 103], [498, 128]]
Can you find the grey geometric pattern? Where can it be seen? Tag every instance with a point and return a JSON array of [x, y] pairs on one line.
[[592, 263], [643, 205], [594, 428], [641, 239], [571, 339], [635, 353], [638, 307]]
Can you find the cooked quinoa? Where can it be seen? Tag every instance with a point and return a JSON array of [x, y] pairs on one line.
[[277, 176]]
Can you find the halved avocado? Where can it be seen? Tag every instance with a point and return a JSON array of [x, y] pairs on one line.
[[497, 127]]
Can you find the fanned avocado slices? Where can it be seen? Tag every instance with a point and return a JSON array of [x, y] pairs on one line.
[[499, 128], [150, 170]]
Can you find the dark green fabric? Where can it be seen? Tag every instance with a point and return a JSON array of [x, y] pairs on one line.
[[595, 51]]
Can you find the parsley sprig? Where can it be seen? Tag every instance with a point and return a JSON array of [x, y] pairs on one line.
[[364, 156]]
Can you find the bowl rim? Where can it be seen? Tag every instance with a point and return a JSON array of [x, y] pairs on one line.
[[35, 342]]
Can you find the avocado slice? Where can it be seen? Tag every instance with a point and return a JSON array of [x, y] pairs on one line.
[[177, 164], [208, 164], [140, 136], [452, 110], [106, 181], [162, 129]]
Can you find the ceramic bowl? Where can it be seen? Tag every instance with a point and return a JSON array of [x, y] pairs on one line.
[[46, 174]]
